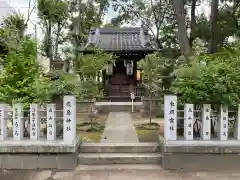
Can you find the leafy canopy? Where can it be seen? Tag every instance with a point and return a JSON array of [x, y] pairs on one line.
[[213, 78]]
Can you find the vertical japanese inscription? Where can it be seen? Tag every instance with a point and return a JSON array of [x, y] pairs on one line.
[[223, 129], [188, 121], [33, 133], [17, 121], [69, 119], [170, 117], [68, 115], [34, 122], [206, 122], [51, 122]]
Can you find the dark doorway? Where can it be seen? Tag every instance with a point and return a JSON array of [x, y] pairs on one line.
[[119, 76]]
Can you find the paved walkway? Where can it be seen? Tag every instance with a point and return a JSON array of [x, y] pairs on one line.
[[125, 173], [119, 129]]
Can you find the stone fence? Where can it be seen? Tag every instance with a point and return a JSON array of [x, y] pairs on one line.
[[69, 121], [34, 152], [209, 150], [204, 122]]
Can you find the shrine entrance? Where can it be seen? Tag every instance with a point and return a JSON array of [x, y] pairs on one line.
[[121, 82], [130, 45]]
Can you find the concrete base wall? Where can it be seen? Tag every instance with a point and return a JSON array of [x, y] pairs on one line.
[[200, 155], [38, 161], [199, 162], [41, 154]]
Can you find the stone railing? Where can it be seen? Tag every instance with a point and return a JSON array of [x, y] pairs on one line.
[[69, 121], [207, 150], [41, 152], [205, 121]]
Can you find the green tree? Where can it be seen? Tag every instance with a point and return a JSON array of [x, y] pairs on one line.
[[213, 79], [156, 16], [53, 15], [21, 76], [84, 16], [157, 78]]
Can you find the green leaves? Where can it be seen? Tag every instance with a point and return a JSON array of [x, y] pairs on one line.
[[88, 66], [216, 82], [156, 73]]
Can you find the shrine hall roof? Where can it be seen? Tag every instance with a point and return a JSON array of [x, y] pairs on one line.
[[120, 39]]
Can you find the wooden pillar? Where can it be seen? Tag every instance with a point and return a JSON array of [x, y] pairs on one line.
[[104, 81], [135, 71]]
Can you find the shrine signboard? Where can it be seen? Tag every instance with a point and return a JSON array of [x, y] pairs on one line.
[[170, 117], [69, 119]]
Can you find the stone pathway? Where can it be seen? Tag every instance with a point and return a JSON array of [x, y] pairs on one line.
[[119, 129], [124, 173]]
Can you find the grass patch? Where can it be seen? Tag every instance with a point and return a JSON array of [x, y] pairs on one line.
[[90, 132], [147, 132], [90, 136], [147, 135], [83, 118], [147, 126]]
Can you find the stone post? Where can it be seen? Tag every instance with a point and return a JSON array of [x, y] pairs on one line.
[[34, 122], [206, 122], [170, 117], [69, 119], [223, 124], [237, 125], [17, 121], [188, 121], [3, 120], [51, 122]]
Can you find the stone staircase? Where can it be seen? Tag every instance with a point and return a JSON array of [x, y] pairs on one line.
[[119, 153]]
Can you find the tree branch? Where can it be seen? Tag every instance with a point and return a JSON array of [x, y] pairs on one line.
[[30, 12]]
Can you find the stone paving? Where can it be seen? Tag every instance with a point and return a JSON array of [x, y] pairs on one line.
[[119, 129], [122, 174]]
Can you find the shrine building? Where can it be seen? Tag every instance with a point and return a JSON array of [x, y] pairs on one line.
[[129, 45]]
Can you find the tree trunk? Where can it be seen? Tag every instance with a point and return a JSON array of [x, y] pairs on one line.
[[49, 41], [178, 6], [150, 108], [57, 40], [193, 22], [212, 48]]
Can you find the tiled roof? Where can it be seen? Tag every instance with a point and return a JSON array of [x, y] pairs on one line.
[[120, 39]]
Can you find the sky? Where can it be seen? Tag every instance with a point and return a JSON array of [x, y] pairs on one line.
[[22, 7]]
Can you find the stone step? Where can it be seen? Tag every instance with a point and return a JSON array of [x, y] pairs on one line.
[[118, 158], [119, 167], [119, 148]]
